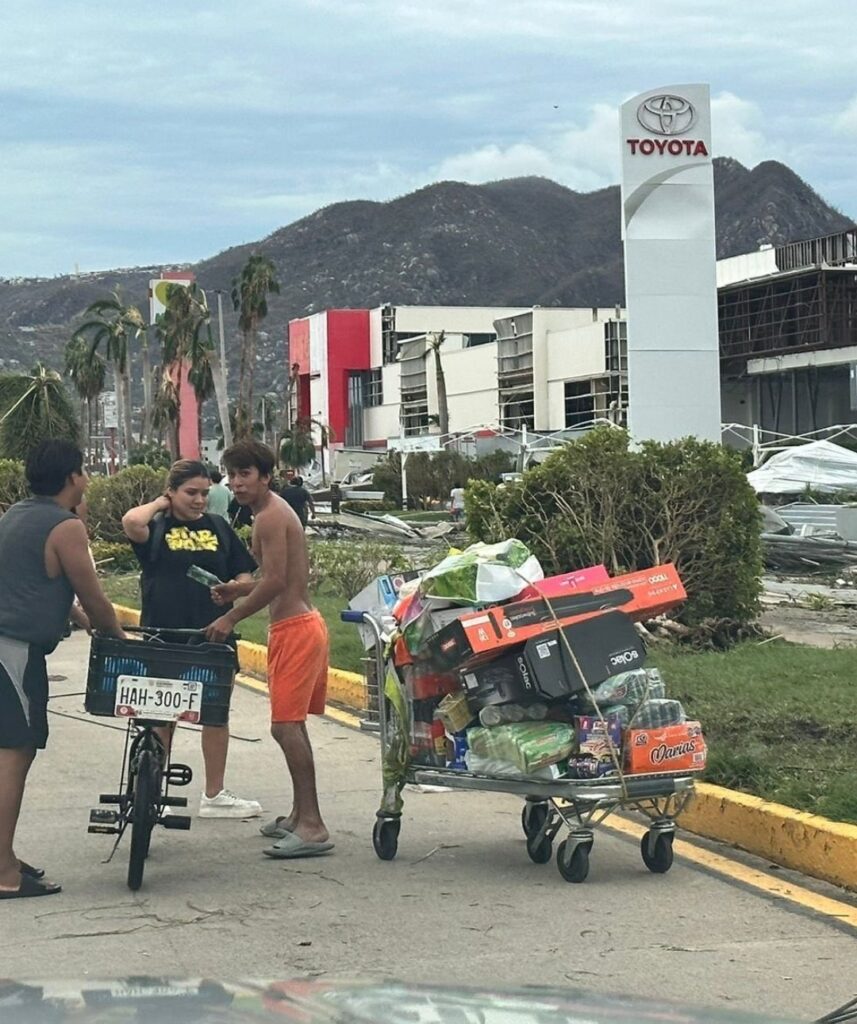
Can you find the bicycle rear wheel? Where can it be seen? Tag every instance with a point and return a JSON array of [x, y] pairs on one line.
[[144, 814]]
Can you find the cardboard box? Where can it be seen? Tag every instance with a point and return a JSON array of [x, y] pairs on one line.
[[544, 669], [673, 749], [479, 636], [566, 583]]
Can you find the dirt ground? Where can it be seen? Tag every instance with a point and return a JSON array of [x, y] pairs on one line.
[[830, 627]]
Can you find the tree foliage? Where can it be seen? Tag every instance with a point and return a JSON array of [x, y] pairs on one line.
[[13, 483], [297, 448], [431, 476], [34, 407], [250, 291], [597, 501]]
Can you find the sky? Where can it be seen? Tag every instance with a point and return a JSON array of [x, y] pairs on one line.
[[137, 134]]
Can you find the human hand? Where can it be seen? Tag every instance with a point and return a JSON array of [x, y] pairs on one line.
[[220, 630], [226, 593], [164, 503]]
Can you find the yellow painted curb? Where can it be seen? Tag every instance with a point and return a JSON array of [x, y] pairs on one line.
[[803, 842], [343, 687]]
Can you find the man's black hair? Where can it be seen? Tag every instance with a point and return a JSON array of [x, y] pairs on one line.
[[298, 481], [216, 476], [249, 453], [50, 464]]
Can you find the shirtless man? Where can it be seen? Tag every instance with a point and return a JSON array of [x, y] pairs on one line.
[[297, 640]]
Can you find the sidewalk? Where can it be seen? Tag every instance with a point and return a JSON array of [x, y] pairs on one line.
[[461, 904]]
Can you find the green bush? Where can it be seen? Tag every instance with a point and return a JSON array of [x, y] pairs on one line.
[[597, 501], [431, 476], [150, 454], [346, 567], [108, 498], [114, 556], [13, 483], [356, 505]]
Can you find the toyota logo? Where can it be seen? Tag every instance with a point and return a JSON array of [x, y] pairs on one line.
[[666, 115]]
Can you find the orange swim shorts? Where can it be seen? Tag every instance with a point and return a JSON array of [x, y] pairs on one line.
[[297, 667]]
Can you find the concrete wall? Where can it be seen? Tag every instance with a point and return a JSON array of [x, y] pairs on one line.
[[455, 319]]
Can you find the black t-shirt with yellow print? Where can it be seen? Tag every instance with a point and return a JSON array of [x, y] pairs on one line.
[[170, 597]]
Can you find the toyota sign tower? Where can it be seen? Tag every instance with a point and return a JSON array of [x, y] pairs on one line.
[[670, 283]]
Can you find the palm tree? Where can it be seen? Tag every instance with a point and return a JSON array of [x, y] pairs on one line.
[[434, 340], [34, 407], [257, 429], [297, 447], [165, 412], [114, 325], [184, 330], [87, 372], [250, 297]]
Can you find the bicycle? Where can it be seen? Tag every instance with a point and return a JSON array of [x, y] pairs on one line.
[[153, 683]]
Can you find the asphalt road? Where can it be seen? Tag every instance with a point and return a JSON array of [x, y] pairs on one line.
[[462, 903]]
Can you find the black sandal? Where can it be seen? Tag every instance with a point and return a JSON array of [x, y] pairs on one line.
[[28, 869], [30, 887]]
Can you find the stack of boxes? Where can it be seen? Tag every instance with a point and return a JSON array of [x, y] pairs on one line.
[[551, 682]]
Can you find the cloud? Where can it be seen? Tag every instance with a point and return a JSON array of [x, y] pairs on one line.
[[846, 122], [736, 129], [584, 157]]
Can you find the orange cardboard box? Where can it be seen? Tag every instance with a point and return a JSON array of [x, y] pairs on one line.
[[672, 748]]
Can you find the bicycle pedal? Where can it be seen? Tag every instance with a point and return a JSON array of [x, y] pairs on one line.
[[174, 801], [178, 821], [103, 830], [179, 774], [99, 817], [111, 798]]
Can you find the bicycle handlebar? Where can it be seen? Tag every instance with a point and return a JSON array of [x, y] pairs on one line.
[[350, 615]]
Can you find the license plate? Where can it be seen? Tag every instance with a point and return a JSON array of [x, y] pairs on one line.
[[162, 700]]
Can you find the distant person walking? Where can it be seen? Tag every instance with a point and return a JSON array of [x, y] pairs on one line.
[[219, 496], [456, 503], [335, 498], [299, 499], [44, 562]]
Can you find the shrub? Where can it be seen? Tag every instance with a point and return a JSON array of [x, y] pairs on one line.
[[356, 505], [346, 567], [13, 483], [108, 498], [595, 500], [150, 454], [114, 557], [431, 476]]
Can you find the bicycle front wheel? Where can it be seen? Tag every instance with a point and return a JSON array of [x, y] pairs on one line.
[[144, 814]]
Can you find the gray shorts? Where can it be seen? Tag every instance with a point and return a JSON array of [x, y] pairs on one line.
[[23, 695]]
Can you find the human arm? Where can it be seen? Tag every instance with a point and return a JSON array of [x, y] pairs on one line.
[[228, 593], [79, 617], [71, 547], [135, 522], [270, 541]]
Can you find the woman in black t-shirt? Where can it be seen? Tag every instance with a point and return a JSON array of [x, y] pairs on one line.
[[169, 535]]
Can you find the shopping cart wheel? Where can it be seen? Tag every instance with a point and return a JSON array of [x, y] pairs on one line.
[[657, 854], [573, 867], [385, 837], [539, 851], [533, 817]]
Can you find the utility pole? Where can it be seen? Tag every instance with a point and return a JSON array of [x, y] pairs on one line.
[[222, 340]]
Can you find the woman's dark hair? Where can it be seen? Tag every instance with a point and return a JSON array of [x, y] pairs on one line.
[[215, 476], [50, 464], [184, 470], [250, 453]]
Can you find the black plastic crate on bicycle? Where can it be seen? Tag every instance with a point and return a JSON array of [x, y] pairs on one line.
[[152, 657]]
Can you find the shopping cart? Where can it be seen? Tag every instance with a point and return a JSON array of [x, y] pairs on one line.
[[578, 805]]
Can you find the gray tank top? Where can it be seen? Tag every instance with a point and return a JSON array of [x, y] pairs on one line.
[[33, 607]]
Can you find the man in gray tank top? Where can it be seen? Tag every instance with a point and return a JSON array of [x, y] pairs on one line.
[[44, 562]]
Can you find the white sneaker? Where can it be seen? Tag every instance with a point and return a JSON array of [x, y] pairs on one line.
[[227, 805]]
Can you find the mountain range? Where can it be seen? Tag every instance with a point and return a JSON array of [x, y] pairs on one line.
[[522, 241]]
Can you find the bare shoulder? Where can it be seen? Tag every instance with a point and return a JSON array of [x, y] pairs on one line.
[[69, 533], [273, 517]]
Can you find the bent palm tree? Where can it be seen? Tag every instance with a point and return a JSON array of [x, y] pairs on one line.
[[114, 326], [184, 330], [250, 297], [87, 372], [34, 407]]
